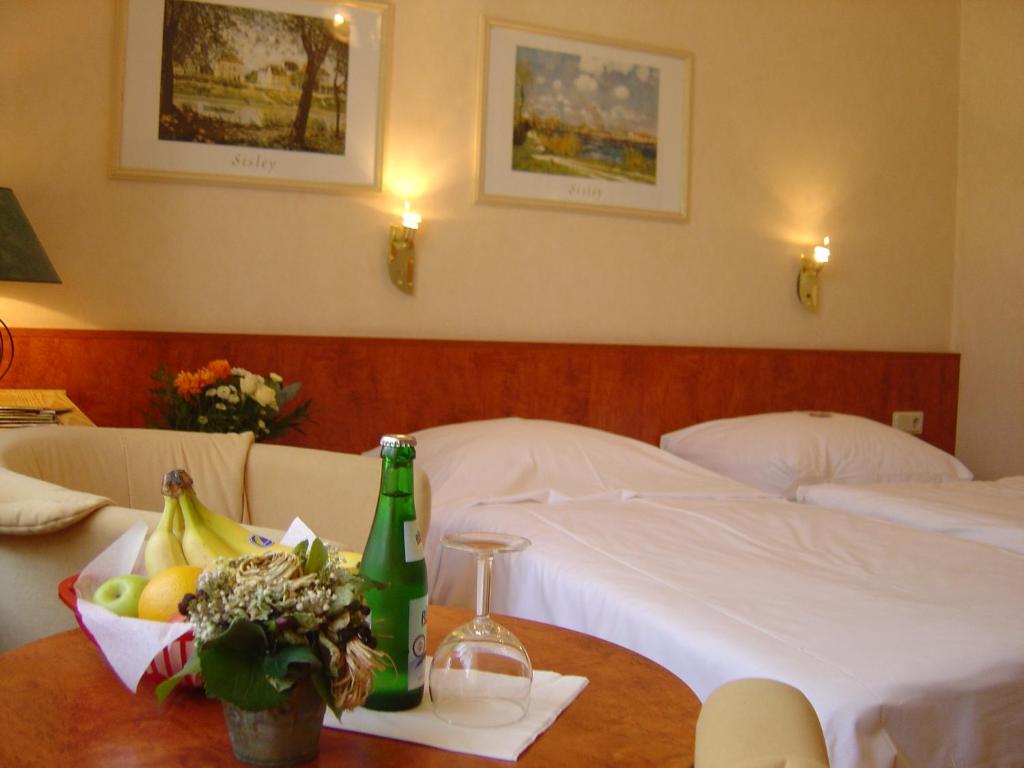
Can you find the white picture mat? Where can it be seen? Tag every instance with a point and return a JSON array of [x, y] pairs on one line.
[[669, 195], [141, 149]]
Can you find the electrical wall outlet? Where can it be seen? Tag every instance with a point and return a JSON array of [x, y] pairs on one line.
[[909, 421]]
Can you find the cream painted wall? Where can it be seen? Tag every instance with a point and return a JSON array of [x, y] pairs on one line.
[[989, 318], [809, 117]]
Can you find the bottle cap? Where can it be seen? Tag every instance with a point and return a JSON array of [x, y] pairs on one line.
[[398, 441]]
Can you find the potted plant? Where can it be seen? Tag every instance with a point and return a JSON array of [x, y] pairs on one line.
[[219, 397], [280, 636]]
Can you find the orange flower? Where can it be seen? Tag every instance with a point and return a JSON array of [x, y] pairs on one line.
[[219, 369], [187, 383]]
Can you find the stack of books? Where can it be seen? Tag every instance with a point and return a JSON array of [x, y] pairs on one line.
[[12, 416]]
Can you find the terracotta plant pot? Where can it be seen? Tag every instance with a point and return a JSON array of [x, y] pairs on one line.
[[286, 735]]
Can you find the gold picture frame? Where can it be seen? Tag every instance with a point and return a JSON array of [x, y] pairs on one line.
[[222, 93], [584, 123]]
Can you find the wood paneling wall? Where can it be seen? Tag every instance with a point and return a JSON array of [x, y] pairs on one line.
[[364, 387]]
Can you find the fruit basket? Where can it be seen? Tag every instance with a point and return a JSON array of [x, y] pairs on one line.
[[164, 665]]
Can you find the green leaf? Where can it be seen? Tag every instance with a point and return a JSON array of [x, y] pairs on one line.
[[238, 668], [238, 678], [323, 687], [288, 392], [233, 670], [243, 636], [277, 668], [191, 667], [299, 550], [276, 665], [317, 557]]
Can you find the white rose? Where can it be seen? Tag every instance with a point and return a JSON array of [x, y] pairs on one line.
[[249, 382], [265, 396]]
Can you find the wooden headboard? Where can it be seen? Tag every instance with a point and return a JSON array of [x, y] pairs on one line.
[[364, 387]]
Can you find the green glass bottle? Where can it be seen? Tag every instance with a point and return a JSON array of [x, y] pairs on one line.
[[394, 558]]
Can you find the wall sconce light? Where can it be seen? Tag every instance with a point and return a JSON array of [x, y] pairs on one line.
[[807, 280], [402, 250]]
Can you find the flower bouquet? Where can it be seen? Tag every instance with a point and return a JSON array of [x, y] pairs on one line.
[[280, 636], [220, 398]]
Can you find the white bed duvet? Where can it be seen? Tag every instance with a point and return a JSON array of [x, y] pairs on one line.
[[991, 512], [911, 650], [909, 645]]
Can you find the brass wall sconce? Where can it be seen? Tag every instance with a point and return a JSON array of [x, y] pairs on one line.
[[807, 279], [402, 251]]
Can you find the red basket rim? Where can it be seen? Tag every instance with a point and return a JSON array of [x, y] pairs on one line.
[[66, 592], [67, 595]]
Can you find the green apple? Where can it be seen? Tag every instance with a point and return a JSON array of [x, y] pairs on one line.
[[121, 594]]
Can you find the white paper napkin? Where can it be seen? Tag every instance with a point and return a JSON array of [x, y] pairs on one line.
[[128, 644], [297, 531], [550, 694]]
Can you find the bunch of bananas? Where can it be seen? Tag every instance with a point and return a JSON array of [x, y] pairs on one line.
[[189, 533]]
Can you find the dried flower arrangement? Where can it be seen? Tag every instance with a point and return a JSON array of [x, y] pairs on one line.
[[262, 621]]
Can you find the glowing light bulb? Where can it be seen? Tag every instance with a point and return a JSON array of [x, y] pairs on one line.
[[822, 252], [410, 220], [339, 20]]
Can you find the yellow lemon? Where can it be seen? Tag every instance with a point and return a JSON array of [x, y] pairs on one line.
[[160, 597]]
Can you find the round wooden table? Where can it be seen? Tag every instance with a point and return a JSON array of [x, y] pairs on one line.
[[60, 704]]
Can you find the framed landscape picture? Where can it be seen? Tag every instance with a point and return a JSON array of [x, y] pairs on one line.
[[276, 93], [582, 122]]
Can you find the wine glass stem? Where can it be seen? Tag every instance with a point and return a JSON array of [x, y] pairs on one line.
[[483, 585]]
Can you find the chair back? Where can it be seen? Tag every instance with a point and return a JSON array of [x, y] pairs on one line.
[[759, 723]]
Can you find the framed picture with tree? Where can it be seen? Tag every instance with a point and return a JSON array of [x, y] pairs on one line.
[[583, 122], [275, 93]]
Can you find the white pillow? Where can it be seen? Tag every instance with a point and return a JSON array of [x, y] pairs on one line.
[[513, 459], [780, 451]]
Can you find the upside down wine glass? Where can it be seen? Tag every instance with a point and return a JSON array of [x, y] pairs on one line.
[[481, 673]]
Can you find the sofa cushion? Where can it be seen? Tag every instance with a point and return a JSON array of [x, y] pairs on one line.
[[28, 505], [335, 494], [128, 465]]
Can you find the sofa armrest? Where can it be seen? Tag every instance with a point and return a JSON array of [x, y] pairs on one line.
[[335, 494], [32, 566]]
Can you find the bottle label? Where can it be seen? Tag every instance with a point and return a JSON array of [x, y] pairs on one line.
[[413, 542], [417, 642]]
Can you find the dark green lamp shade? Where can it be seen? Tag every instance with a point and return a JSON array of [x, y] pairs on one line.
[[22, 257]]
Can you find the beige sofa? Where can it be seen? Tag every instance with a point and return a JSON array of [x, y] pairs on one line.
[[67, 492]]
